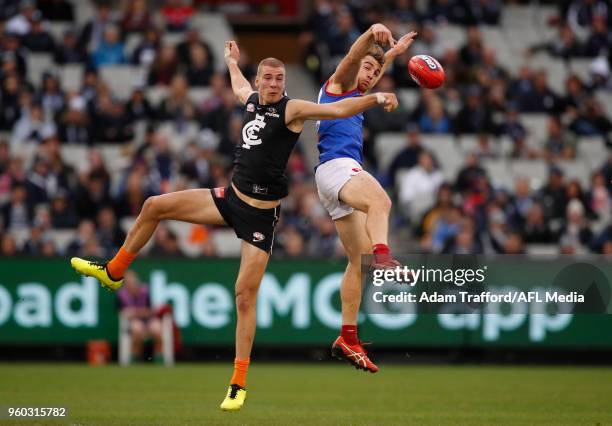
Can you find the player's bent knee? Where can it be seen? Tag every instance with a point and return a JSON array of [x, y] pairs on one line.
[[150, 208]]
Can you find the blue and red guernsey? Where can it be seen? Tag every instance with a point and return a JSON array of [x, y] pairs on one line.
[[342, 137]]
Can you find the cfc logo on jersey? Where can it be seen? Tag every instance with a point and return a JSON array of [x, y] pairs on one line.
[[250, 131]]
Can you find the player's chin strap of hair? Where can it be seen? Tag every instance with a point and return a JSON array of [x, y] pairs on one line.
[[380, 98]]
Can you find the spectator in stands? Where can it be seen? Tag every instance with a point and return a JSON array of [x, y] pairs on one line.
[[5, 157], [434, 119], [110, 50], [514, 244], [177, 15], [56, 10], [417, 188], [165, 243], [51, 96], [92, 33], [470, 174], [20, 24], [145, 52], [110, 123], [138, 106], [475, 116], [536, 230], [408, 157], [177, 106], [136, 17], [38, 39], [553, 196], [63, 215], [576, 231], [193, 38], [135, 304], [600, 40], [9, 103], [521, 202], [472, 52], [341, 34], [92, 195], [163, 67], [13, 175], [91, 82], [592, 120], [565, 46], [539, 97], [135, 190], [17, 213], [13, 56], [68, 51], [8, 246], [581, 12], [290, 242], [109, 234], [74, 121], [599, 201], [560, 143], [32, 127], [201, 69], [465, 241]]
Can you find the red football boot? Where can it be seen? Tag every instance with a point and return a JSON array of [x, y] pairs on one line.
[[354, 354], [384, 261]]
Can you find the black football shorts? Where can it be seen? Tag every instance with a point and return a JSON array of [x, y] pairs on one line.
[[253, 225]]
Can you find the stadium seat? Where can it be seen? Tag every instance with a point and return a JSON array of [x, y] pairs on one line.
[[451, 36], [116, 157], [446, 152], [386, 148], [506, 146], [71, 76], [198, 95], [62, 238], [125, 340], [537, 128], [58, 28], [468, 143], [38, 64], [576, 169], [156, 94], [593, 151], [498, 173], [75, 155], [606, 101], [581, 67], [26, 151], [122, 78], [226, 243], [20, 236], [131, 43], [179, 137], [536, 171]]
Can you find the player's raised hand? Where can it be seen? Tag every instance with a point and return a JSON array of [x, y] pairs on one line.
[[382, 35], [402, 45], [231, 52]]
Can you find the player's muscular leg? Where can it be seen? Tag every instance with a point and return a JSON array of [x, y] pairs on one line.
[[351, 230], [253, 264], [193, 205], [364, 193]]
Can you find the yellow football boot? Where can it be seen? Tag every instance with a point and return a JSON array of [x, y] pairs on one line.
[[235, 398], [96, 270]]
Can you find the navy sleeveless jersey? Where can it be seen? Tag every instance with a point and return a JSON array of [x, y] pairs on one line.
[[342, 137], [261, 159]]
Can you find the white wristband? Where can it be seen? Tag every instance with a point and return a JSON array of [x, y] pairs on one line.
[[380, 98]]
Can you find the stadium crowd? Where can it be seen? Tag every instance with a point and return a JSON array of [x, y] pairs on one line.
[[480, 97]]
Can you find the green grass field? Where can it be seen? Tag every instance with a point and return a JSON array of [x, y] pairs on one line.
[[305, 394]]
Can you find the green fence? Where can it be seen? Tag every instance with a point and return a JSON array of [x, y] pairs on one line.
[[45, 302]]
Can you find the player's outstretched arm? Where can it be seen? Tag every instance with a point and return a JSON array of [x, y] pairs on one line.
[[299, 110], [399, 49], [240, 85], [346, 71]]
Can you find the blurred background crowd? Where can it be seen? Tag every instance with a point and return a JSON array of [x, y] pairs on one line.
[[511, 155]]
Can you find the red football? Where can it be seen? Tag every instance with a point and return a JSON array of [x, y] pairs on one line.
[[426, 71]]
